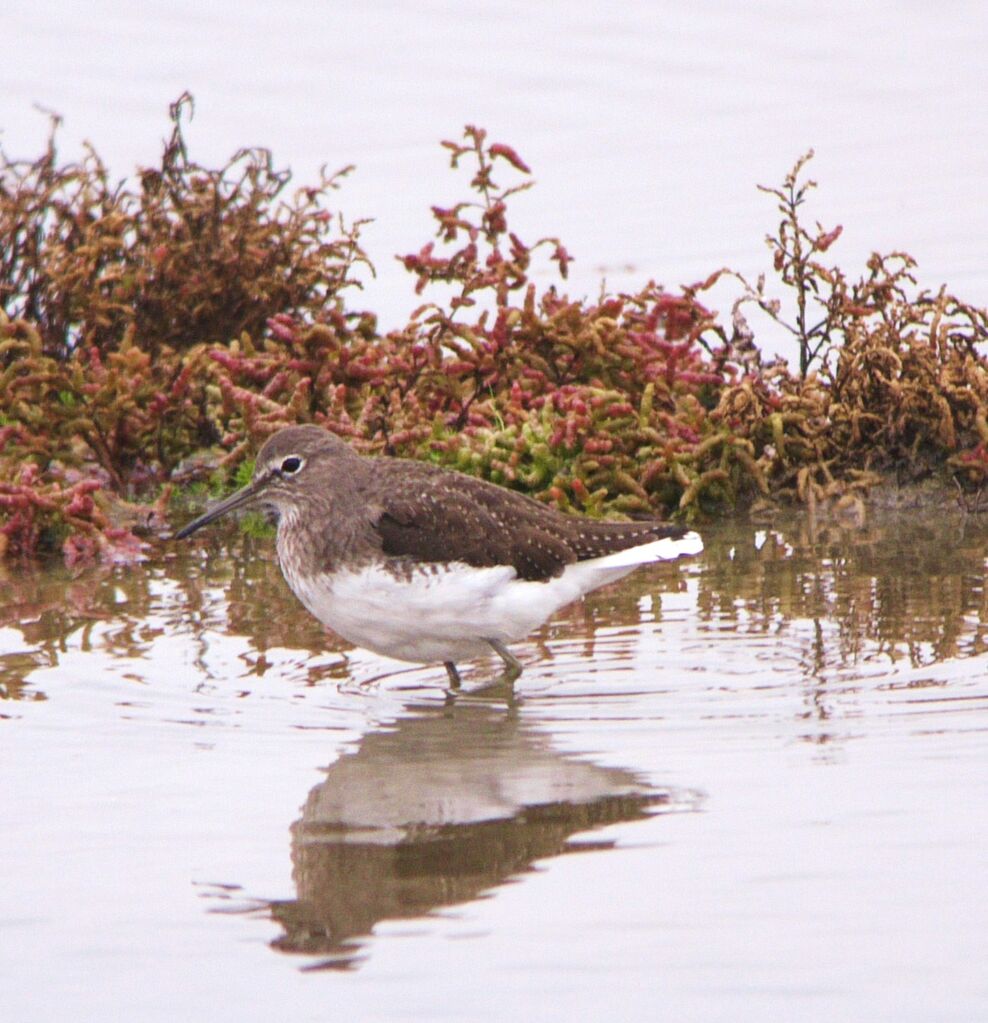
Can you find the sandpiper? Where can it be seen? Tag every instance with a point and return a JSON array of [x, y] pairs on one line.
[[426, 564]]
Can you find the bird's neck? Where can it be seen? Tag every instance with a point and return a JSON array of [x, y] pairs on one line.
[[319, 534]]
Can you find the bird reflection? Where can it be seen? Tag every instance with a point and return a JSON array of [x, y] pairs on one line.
[[435, 811]]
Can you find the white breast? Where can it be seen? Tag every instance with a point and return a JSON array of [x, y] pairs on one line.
[[434, 613]]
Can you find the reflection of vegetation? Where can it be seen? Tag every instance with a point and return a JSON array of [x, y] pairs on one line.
[[906, 587], [909, 588], [240, 593], [200, 309]]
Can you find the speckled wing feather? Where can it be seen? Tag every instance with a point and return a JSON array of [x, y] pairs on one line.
[[445, 526], [482, 525]]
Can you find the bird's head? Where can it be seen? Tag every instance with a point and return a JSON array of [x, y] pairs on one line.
[[289, 461]]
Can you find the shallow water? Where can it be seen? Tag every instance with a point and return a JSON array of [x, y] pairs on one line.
[[749, 787]]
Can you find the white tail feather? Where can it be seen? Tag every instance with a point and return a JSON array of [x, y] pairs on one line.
[[667, 549]]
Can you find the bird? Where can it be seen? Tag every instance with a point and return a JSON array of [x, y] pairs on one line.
[[427, 564]]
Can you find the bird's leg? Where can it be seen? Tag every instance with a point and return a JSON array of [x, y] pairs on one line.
[[512, 666], [454, 675]]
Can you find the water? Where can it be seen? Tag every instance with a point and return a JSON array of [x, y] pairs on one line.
[[750, 787]]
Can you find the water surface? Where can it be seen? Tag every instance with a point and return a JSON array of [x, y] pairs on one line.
[[748, 787], [647, 125]]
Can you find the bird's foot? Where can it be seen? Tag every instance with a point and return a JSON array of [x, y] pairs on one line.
[[454, 676], [512, 666], [501, 690]]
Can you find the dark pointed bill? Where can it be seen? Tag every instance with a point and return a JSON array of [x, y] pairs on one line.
[[243, 496]]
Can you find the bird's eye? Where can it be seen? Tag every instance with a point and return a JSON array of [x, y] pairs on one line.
[[291, 464]]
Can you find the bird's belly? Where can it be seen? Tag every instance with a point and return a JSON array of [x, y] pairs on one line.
[[430, 613]]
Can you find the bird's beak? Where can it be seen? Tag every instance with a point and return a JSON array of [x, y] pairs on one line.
[[237, 500]]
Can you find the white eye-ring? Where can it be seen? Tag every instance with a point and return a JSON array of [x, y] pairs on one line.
[[291, 465]]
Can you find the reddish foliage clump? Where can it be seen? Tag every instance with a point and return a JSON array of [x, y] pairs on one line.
[[203, 311]]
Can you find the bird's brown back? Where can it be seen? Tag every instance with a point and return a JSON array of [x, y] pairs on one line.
[[428, 514]]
